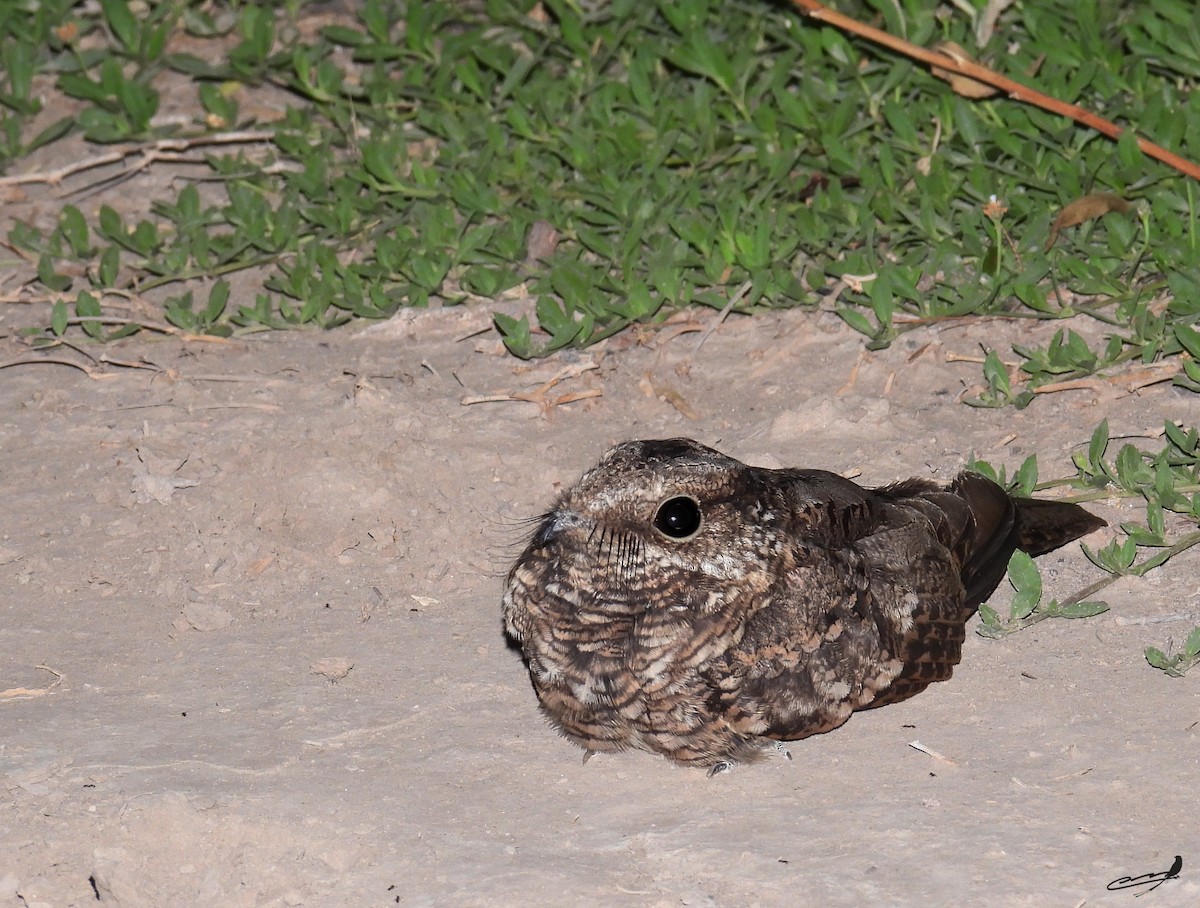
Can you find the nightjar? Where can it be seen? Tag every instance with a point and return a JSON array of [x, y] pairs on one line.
[[680, 602]]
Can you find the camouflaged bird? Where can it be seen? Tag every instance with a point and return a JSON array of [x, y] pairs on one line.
[[680, 602]]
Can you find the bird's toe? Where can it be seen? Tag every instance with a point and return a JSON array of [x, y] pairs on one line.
[[719, 768]]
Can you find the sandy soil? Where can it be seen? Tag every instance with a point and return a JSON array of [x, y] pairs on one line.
[[250, 647]]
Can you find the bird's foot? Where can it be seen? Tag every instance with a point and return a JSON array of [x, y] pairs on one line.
[[720, 768], [781, 748]]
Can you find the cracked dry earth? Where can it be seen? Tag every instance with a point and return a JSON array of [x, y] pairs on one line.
[[251, 654]]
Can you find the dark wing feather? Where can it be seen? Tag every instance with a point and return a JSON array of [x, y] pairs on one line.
[[916, 570], [991, 535], [811, 656], [865, 582]]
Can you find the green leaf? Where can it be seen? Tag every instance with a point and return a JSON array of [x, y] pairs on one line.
[[570, 26], [74, 228], [1157, 658], [985, 469], [700, 55], [1142, 536], [1189, 339], [87, 307], [1185, 442], [191, 65], [1116, 557], [1096, 448], [51, 133], [515, 334], [1026, 477], [1154, 561], [140, 103], [1025, 578], [218, 298], [178, 311], [110, 266], [856, 320], [996, 375], [122, 22], [50, 278], [1080, 609], [1129, 152], [111, 225], [989, 615], [1023, 572], [1192, 646], [58, 318], [80, 86], [375, 16], [348, 37], [1132, 471]]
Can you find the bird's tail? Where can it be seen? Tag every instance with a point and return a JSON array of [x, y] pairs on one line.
[[1045, 525]]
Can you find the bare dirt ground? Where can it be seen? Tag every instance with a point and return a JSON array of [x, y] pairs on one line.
[[250, 647]]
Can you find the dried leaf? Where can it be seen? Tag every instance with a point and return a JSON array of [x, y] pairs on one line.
[[959, 84], [1086, 208], [985, 25], [67, 32], [674, 398], [541, 242]]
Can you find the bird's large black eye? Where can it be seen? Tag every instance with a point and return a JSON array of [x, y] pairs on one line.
[[678, 517]]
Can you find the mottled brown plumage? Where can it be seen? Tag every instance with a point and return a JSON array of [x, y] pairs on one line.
[[680, 602]]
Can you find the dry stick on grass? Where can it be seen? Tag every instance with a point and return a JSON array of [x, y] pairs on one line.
[[55, 361], [733, 301], [25, 295], [96, 370], [1133, 379], [159, 327], [1014, 90], [163, 149], [97, 373]]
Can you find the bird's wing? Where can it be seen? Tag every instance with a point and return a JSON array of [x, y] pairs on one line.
[[921, 605], [869, 610]]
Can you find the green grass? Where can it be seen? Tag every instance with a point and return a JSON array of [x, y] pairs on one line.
[[1166, 482], [679, 150]]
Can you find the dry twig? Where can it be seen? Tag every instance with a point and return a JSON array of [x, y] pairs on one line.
[[162, 150], [917, 745], [540, 394], [733, 301]]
